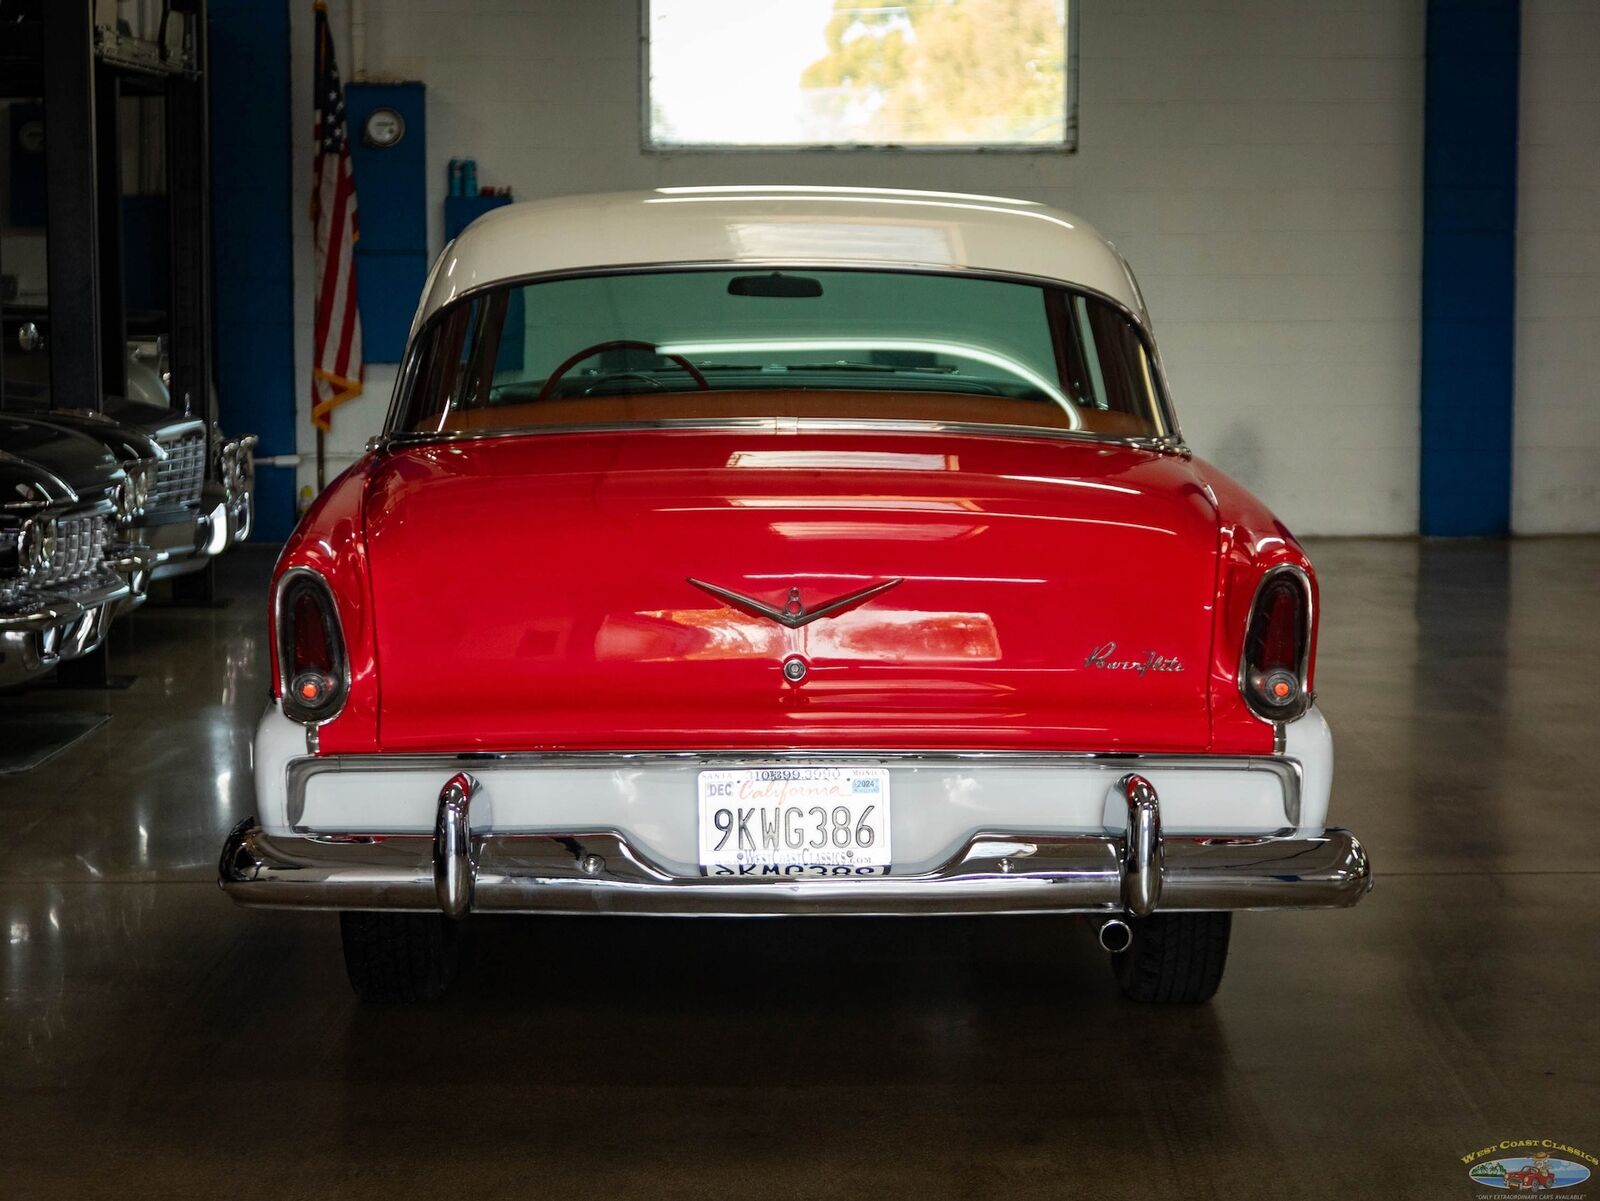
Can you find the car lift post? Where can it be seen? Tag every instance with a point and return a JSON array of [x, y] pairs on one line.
[[73, 211]]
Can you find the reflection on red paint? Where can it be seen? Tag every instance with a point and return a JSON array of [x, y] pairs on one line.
[[550, 573], [868, 636]]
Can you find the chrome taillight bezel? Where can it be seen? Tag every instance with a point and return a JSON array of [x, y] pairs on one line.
[[289, 587], [1267, 711]]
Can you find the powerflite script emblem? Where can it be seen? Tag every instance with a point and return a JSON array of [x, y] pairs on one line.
[[1101, 658], [794, 614]]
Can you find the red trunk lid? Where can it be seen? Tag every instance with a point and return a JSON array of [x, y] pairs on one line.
[[532, 593]]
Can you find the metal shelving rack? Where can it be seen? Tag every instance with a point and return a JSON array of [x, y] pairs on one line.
[[81, 61]]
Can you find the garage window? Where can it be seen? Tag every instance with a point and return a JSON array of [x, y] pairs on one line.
[[845, 74]]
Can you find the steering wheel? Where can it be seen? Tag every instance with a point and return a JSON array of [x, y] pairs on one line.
[[632, 373], [572, 361]]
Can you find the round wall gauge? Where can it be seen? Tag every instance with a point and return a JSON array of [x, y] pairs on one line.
[[384, 128]]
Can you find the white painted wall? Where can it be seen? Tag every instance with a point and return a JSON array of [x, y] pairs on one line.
[[1259, 161], [1556, 468]]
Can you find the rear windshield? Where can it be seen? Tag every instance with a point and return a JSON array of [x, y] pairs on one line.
[[685, 345]]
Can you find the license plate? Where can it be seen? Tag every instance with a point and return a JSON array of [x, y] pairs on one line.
[[795, 821]]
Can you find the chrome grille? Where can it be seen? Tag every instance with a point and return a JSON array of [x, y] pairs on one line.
[[14, 593], [80, 551], [182, 473], [78, 565]]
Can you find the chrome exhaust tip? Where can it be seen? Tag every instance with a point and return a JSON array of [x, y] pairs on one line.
[[1115, 935]]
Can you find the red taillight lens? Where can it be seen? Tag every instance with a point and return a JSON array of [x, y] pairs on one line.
[[311, 654], [1277, 647], [311, 641]]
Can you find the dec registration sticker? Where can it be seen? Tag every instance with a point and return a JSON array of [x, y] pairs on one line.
[[795, 821]]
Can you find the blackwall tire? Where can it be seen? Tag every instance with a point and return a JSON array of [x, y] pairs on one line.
[[399, 958], [1175, 958]]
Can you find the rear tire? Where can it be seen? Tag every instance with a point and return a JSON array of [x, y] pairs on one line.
[[1175, 958], [399, 958]]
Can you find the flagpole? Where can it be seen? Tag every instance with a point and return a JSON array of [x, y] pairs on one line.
[[337, 370]]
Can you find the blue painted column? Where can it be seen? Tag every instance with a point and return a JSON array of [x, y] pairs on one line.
[[1469, 224], [252, 241]]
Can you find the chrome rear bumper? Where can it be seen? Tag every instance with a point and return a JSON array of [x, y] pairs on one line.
[[456, 872]]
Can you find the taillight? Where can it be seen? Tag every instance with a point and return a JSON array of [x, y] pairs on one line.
[[1277, 646], [311, 655]]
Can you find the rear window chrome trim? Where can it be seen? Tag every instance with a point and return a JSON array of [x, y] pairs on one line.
[[392, 441]]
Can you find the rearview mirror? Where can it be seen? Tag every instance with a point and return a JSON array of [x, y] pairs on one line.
[[786, 287]]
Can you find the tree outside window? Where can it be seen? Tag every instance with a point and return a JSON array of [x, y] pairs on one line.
[[808, 73]]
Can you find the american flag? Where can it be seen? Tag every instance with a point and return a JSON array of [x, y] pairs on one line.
[[337, 371]]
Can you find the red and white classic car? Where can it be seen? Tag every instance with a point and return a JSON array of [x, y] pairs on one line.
[[774, 551]]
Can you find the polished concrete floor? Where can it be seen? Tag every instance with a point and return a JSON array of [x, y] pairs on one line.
[[157, 1042]]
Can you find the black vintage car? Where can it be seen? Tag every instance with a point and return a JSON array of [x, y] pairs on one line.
[[191, 514], [182, 512], [65, 572], [196, 497]]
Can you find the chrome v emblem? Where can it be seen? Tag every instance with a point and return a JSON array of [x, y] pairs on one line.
[[794, 614]]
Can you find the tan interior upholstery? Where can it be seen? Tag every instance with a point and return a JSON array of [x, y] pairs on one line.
[[863, 406]]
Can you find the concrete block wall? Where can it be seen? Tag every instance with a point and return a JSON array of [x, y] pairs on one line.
[[1556, 459], [1259, 161]]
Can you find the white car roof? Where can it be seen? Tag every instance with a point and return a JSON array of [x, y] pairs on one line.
[[782, 225]]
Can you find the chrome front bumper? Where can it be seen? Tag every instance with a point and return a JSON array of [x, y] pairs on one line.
[[456, 872], [58, 629], [184, 541]]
